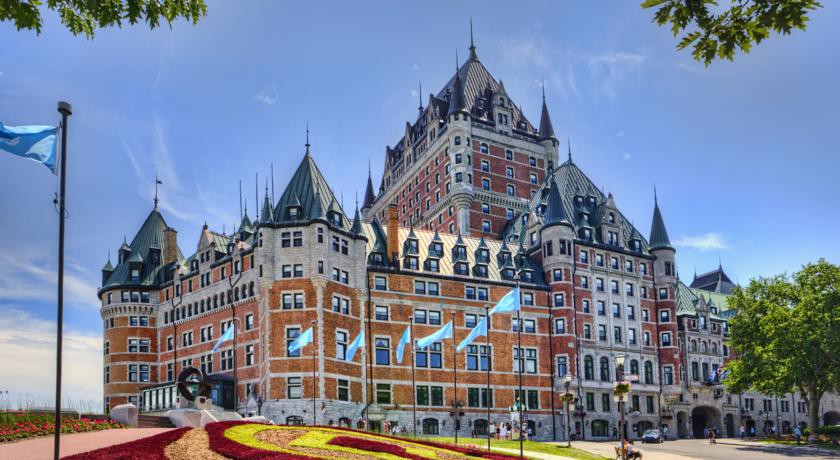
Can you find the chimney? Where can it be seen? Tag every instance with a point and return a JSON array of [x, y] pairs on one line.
[[393, 235], [170, 245]]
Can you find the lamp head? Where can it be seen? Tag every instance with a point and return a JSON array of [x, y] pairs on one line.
[[619, 359]]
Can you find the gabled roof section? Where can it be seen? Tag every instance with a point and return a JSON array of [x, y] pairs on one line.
[[141, 247], [308, 189], [714, 281], [570, 183]]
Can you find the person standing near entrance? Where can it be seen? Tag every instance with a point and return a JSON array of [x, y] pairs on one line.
[[743, 431], [798, 433]]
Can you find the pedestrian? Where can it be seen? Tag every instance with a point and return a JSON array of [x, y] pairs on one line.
[[712, 436], [706, 432], [752, 430], [614, 432], [798, 433], [743, 431], [492, 429], [503, 431]]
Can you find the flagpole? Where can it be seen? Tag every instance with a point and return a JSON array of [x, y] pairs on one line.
[[413, 378], [66, 110], [520, 365], [487, 393], [314, 379], [455, 377]]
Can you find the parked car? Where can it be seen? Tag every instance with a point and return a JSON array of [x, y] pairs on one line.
[[652, 436]]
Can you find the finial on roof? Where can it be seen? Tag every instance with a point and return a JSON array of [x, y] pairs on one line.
[[204, 227], [473, 55], [655, 200], [307, 138], [157, 182], [569, 140], [420, 96], [457, 64]]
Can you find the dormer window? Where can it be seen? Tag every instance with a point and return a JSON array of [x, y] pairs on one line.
[[412, 245], [433, 265], [293, 213], [411, 263], [135, 274], [459, 251], [611, 218], [461, 268], [436, 250], [504, 258], [336, 219], [507, 274], [155, 257], [528, 276], [480, 271], [483, 256]]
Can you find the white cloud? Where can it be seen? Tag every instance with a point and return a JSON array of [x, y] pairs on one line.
[[29, 343], [705, 242], [415, 67], [268, 95], [627, 155], [610, 70], [1, 73], [31, 274]]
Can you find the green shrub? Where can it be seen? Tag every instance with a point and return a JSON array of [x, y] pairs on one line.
[[830, 430]]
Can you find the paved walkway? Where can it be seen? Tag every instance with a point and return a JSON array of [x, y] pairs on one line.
[[529, 454], [726, 449], [42, 448]]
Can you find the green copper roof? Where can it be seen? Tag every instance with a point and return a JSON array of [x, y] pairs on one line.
[[308, 189], [141, 247], [554, 213]]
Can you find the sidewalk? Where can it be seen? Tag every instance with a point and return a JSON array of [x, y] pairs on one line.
[[42, 448], [529, 453], [607, 449]]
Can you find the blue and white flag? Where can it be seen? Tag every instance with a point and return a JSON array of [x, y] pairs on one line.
[[443, 333], [301, 341], [405, 339], [34, 142], [359, 341], [508, 303], [228, 335], [480, 330]]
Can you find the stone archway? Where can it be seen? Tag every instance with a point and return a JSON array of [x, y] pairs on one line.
[[703, 417], [682, 425], [831, 418]]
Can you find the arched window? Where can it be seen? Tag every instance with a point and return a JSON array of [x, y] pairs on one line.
[[605, 369], [634, 367], [251, 289], [703, 347], [294, 420], [693, 345], [235, 294], [222, 298], [714, 347], [430, 426], [216, 301], [244, 291], [648, 372], [480, 427], [588, 368]]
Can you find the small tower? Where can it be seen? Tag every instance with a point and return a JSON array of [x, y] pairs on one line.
[[557, 231], [460, 130], [660, 246]]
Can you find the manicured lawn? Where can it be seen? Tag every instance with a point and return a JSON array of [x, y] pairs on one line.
[[824, 445], [529, 446]]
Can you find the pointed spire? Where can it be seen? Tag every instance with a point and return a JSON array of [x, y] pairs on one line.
[[108, 267], [420, 96], [546, 128], [554, 213], [457, 102], [473, 55], [357, 221], [369, 195], [658, 234], [569, 140], [157, 182], [267, 213]]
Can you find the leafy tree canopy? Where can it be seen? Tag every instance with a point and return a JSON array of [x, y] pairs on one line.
[[716, 32], [786, 335], [85, 16]]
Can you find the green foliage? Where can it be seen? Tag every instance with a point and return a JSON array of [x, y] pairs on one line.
[[716, 32], [786, 333], [833, 430], [85, 16]]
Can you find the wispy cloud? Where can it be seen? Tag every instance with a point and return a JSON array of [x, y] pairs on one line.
[[415, 67], [627, 155], [1, 73], [29, 343], [30, 274], [705, 242], [268, 95], [601, 74]]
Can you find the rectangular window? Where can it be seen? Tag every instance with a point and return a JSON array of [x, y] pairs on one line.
[[340, 344], [383, 351], [434, 318], [343, 390], [478, 358], [227, 360], [529, 359], [381, 313], [560, 326], [294, 388], [380, 283], [419, 287], [291, 334], [249, 355], [383, 393]]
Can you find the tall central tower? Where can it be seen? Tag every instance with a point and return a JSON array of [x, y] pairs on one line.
[[469, 163]]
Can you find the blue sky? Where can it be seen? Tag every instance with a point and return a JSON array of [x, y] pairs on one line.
[[743, 154]]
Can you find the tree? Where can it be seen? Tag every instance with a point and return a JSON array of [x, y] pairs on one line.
[[786, 335], [85, 16], [716, 32]]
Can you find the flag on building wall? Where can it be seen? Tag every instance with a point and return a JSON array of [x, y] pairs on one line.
[[480, 330], [443, 333], [406, 338], [508, 303], [228, 335], [359, 341], [301, 341], [38, 143]]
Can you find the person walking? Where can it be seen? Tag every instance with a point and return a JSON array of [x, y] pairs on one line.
[[743, 431], [614, 432], [712, 435], [798, 433]]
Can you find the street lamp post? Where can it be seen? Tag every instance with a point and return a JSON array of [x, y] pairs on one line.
[[567, 398], [620, 389]]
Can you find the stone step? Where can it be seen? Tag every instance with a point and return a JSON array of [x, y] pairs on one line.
[[154, 421]]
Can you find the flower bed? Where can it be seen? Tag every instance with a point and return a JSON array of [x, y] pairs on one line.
[[247, 441], [151, 448], [21, 425]]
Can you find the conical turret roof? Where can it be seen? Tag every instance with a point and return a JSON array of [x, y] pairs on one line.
[[658, 234]]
